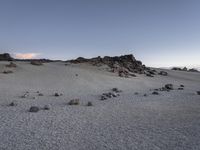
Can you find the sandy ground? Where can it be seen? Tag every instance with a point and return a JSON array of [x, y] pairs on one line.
[[170, 120]]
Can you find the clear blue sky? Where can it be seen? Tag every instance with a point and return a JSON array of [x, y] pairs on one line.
[[158, 32]]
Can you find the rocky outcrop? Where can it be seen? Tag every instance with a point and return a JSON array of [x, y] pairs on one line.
[[5, 57], [125, 65]]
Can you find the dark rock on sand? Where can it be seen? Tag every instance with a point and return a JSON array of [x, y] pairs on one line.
[[7, 71], [169, 86], [89, 104], [57, 94], [40, 94], [155, 93], [103, 97], [149, 75], [12, 104], [163, 73], [46, 107], [74, 102], [145, 95], [136, 93], [34, 109], [116, 90], [198, 92]]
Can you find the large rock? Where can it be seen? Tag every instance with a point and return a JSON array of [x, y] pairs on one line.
[[5, 57], [119, 64]]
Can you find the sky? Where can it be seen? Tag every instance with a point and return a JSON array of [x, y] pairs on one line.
[[160, 33]]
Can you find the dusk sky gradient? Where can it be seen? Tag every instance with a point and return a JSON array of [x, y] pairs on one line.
[[160, 33]]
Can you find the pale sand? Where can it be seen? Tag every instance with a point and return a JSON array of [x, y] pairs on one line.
[[169, 121]]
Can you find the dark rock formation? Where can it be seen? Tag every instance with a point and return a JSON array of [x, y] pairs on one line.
[[124, 65], [5, 57]]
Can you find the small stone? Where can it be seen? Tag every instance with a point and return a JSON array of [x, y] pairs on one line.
[[46, 107], [163, 73], [145, 95], [180, 88], [56, 94], [12, 104], [74, 102], [40, 94], [116, 90], [182, 85], [103, 98], [155, 93], [34, 109], [136, 93], [25, 95], [198, 92], [149, 75], [169, 86], [89, 104], [7, 71]]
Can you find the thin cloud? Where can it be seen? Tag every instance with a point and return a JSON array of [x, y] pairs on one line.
[[26, 55]]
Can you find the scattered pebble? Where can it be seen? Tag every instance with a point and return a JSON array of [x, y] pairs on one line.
[[46, 107], [180, 88], [34, 109], [89, 104], [169, 86], [56, 94], [198, 92], [103, 97], [136, 93], [116, 90], [74, 102], [155, 93], [13, 104], [163, 73], [40, 94], [7, 71]]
